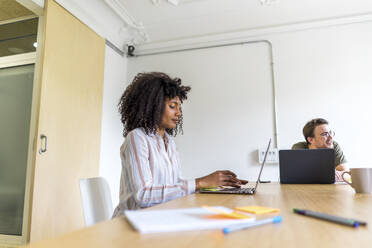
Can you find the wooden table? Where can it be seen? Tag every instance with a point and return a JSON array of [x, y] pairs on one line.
[[294, 231]]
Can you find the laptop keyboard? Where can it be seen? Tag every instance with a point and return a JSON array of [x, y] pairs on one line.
[[237, 190]]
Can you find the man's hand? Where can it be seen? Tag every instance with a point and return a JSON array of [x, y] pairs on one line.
[[338, 176], [219, 178], [341, 168]]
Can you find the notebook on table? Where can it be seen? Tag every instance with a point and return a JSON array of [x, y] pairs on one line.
[[182, 219], [243, 191]]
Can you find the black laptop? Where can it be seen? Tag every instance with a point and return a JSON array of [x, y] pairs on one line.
[[306, 166], [242, 191]]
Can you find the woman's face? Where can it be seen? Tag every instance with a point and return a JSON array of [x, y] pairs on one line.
[[172, 113]]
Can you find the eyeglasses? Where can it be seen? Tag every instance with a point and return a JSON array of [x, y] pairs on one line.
[[328, 134]]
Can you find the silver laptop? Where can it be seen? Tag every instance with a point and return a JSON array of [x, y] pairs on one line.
[[242, 191]]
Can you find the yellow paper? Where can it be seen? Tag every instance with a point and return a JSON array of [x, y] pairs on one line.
[[257, 209], [233, 215]]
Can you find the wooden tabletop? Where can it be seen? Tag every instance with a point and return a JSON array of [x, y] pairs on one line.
[[294, 231]]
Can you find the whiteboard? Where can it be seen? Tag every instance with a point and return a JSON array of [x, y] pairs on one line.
[[229, 112]]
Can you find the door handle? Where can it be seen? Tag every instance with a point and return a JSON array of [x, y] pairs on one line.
[[45, 138]]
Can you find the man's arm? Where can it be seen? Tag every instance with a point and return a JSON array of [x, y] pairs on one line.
[[340, 160], [341, 163]]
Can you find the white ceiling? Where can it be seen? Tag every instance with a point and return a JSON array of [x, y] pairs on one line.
[[164, 21], [156, 24]]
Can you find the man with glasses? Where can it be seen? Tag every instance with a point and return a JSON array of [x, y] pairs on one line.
[[318, 135]]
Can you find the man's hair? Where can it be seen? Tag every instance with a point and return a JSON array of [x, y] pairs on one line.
[[308, 129], [143, 102]]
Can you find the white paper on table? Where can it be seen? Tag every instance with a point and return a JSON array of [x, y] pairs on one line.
[[181, 219]]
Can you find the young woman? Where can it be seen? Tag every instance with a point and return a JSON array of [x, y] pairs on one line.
[[151, 113]]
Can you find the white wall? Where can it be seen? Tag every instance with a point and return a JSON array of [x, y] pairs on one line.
[[326, 73], [112, 138], [319, 73], [222, 128]]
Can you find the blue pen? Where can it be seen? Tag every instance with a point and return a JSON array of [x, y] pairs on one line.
[[237, 227]]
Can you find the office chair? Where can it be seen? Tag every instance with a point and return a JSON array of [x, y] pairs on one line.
[[96, 199]]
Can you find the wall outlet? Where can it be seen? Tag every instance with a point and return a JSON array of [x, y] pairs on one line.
[[272, 155]]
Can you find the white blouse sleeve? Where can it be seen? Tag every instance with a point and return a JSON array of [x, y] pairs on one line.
[[140, 175]]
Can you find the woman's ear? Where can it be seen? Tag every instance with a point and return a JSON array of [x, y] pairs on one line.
[[310, 140]]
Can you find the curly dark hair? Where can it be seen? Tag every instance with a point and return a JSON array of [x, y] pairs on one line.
[[143, 102]]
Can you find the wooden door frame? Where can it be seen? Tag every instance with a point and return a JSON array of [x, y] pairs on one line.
[[17, 60], [8, 62]]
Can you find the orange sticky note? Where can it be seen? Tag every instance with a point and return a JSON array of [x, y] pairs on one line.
[[232, 214], [257, 209]]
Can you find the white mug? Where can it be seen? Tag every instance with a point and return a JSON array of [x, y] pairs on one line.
[[361, 179]]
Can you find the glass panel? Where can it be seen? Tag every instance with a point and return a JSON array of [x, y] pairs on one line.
[[16, 85], [18, 37]]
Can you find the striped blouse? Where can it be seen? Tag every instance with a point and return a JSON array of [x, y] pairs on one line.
[[150, 172]]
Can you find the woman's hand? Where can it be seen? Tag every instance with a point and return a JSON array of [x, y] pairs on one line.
[[219, 178]]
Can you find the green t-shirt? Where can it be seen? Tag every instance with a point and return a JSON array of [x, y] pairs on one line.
[[339, 154]]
